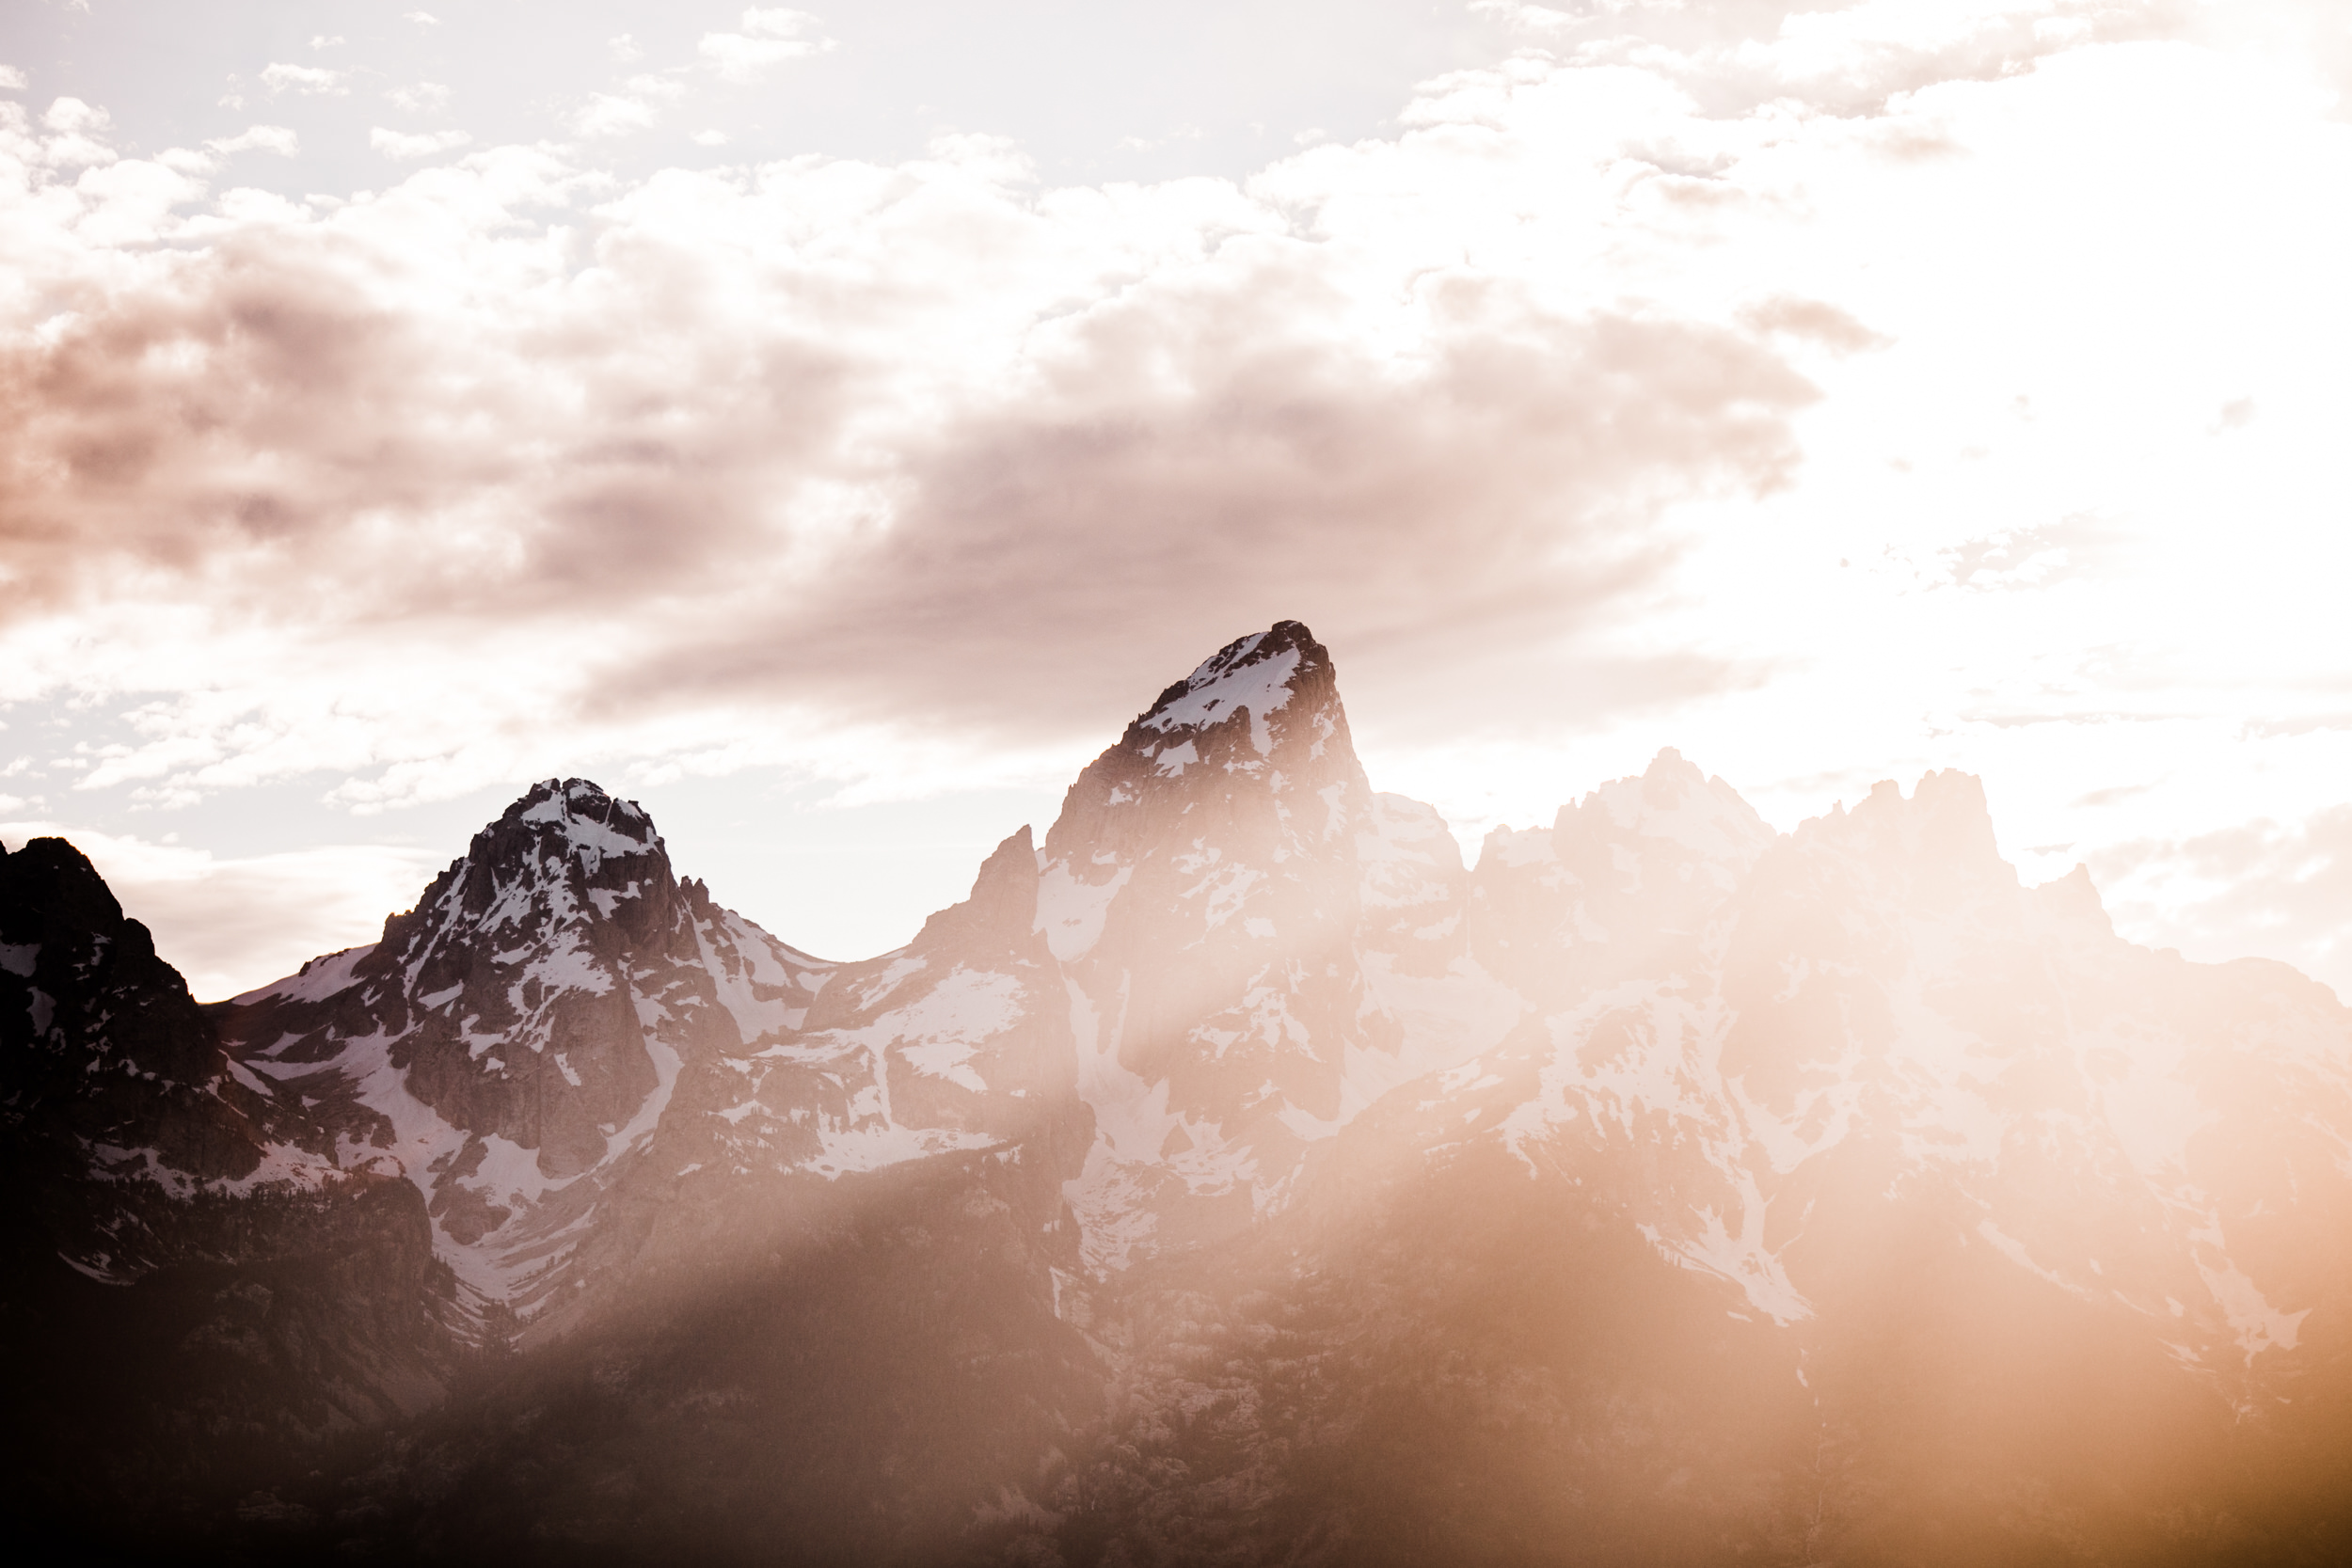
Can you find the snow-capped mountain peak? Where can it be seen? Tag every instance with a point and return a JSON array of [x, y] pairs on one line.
[[515, 1038], [1257, 674]]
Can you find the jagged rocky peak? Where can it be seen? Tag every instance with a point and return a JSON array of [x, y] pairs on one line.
[[1253, 740], [514, 977], [1000, 917], [81, 988], [557, 902], [1203, 890], [1671, 807], [1617, 881], [1891, 858], [2073, 900], [566, 851], [1896, 929], [103, 1054], [171, 1263], [1672, 810], [1261, 675], [1934, 848], [524, 1024]]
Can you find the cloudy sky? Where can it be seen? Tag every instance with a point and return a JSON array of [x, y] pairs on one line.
[[829, 427]]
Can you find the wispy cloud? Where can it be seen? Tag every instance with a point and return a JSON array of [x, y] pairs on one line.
[[767, 39], [266, 139], [420, 98], [1145, 144], [2253, 889], [1533, 19], [397, 144], [612, 115]]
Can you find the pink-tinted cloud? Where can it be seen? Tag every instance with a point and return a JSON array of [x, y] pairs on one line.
[[1224, 453], [745, 459], [272, 428], [2258, 888]]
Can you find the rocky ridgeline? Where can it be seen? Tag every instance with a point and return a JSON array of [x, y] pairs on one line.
[[1241, 1177]]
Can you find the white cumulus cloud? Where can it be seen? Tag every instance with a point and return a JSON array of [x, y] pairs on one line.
[[72, 116], [309, 80], [80, 135]]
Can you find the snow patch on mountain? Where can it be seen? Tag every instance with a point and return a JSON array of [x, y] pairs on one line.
[[878, 1145], [314, 981], [1070, 909], [1459, 1013], [2259, 1326], [1238, 679]]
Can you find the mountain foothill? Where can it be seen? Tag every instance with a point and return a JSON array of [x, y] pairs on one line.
[[1236, 1177]]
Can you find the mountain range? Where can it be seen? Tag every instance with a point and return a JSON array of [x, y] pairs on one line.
[[1236, 1177]]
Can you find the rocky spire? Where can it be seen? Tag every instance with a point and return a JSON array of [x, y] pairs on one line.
[[1244, 743], [1201, 888]]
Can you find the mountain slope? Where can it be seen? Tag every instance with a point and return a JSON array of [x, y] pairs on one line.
[[1837, 1195]]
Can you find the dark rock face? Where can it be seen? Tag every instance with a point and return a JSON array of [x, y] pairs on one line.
[[192, 1301], [513, 1001], [1239, 1178], [101, 1040]]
